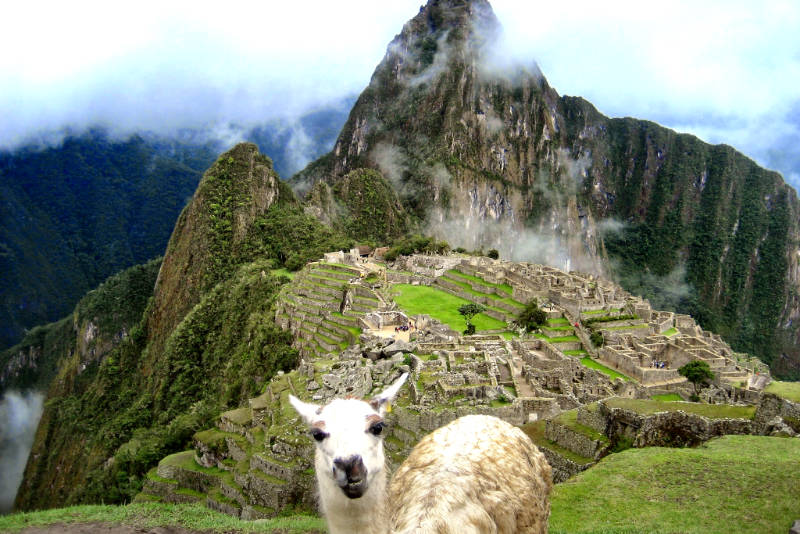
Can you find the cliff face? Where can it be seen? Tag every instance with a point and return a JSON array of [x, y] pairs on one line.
[[485, 153]]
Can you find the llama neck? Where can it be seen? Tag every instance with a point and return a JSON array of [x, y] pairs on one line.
[[365, 515]]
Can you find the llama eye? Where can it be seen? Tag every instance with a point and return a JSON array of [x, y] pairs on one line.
[[377, 428], [318, 434]]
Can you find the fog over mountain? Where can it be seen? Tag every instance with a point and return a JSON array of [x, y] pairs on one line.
[[725, 71]]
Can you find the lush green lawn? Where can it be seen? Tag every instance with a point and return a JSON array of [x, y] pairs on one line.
[[503, 287], [151, 515], [441, 306], [743, 484], [713, 411], [787, 390], [593, 364], [669, 397], [671, 332]]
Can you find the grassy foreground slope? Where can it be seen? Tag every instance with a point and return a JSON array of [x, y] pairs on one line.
[[743, 484], [150, 515], [731, 484]]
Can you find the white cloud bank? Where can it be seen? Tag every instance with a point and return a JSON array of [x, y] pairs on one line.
[[727, 71]]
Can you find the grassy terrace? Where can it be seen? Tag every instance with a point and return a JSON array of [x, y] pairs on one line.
[[468, 289], [787, 390], [441, 306], [633, 326], [283, 272], [502, 287], [562, 339], [669, 333], [744, 484], [601, 312], [712, 411], [570, 420], [667, 397], [536, 432], [597, 366]]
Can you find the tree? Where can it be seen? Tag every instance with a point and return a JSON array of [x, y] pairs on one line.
[[469, 311], [597, 338], [531, 317], [697, 372]]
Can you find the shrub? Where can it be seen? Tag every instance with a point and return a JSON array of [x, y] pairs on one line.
[[493, 254], [597, 339], [531, 317]]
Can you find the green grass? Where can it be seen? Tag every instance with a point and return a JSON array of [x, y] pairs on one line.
[[669, 333], [535, 431], [712, 411], [284, 272], [562, 339], [743, 484], [151, 515], [633, 326], [601, 311], [668, 397], [502, 287], [557, 321], [593, 364], [787, 390], [570, 419], [579, 352], [560, 328], [441, 306], [468, 289]]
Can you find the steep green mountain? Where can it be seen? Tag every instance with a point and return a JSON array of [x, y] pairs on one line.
[[100, 321], [440, 141], [77, 213], [206, 341], [485, 154]]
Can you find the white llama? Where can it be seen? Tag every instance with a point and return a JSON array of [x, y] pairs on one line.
[[478, 474]]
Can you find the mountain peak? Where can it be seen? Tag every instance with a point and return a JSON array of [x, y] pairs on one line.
[[441, 28]]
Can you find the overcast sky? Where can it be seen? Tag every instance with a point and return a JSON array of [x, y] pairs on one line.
[[728, 71]]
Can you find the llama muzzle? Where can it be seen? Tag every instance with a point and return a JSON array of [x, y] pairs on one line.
[[351, 475]]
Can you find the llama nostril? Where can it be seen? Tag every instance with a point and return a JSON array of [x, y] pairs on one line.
[[349, 470]]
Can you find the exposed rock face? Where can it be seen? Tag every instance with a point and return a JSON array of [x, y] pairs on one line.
[[487, 154]]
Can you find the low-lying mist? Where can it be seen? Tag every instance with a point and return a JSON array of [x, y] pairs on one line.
[[19, 417]]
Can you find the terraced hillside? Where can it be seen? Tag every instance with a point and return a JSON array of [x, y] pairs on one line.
[[354, 339]]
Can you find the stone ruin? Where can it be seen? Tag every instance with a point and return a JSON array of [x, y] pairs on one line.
[[336, 308]]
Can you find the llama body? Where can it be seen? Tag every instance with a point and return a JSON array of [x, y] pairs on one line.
[[478, 474]]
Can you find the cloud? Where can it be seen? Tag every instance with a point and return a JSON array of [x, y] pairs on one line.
[[19, 417], [162, 66]]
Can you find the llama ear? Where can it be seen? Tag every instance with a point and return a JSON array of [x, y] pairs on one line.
[[306, 410], [382, 400]]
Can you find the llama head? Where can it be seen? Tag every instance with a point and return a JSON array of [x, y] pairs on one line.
[[349, 439]]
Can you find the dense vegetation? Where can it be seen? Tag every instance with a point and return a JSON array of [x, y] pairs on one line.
[[114, 308], [79, 212], [206, 343]]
